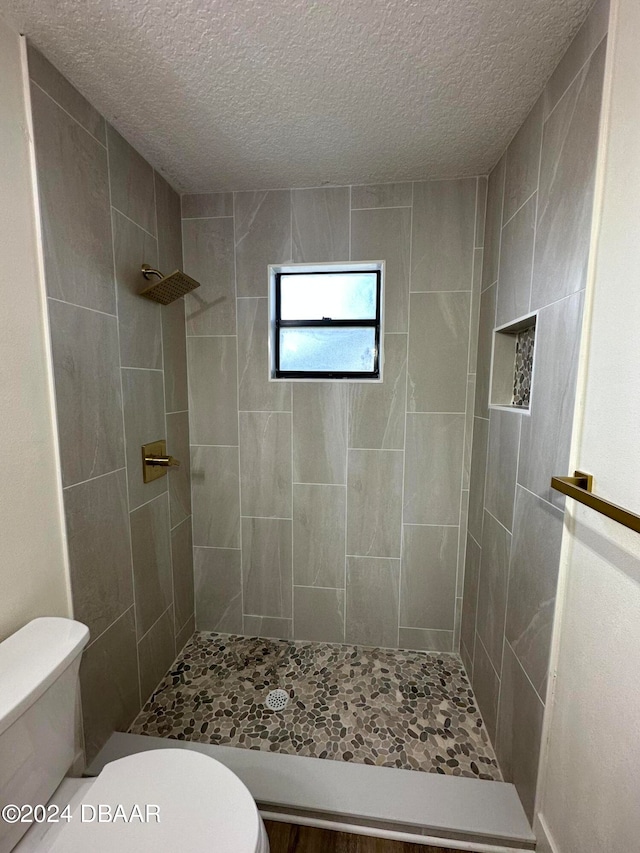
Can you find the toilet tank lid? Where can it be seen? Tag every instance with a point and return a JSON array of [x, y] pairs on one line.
[[32, 659]]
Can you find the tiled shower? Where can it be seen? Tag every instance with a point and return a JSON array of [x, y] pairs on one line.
[[337, 522]]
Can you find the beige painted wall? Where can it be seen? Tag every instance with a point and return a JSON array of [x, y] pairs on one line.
[[590, 784], [33, 577]]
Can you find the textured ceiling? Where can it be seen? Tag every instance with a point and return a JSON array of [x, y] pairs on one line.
[[246, 94]]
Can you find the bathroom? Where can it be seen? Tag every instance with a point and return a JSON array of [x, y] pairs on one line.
[[360, 594]]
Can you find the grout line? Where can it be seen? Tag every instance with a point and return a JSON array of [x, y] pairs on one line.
[[72, 117], [431, 631], [180, 523], [124, 430], [179, 412], [197, 218], [151, 627], [423, 292], [573, 79], [526, 674], [137, 224], [535, 221], [215, 548], [146, 503], [384, 206], [84, 307], [190, 337], [151, 369], [504, 527], [306, 586], [235, 291], [93, 641], [235, 446], [97, 477], [269, 517], [370, 557], [526, 201], [544, 500], [331, 485], [474, 539]]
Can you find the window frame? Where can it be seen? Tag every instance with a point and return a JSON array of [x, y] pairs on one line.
[[276, 271]]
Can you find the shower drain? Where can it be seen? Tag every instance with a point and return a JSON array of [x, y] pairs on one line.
[[277, 700]]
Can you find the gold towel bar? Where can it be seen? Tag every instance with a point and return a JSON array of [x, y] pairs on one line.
[[579, 487]]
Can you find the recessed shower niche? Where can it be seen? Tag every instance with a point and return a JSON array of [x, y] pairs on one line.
[[512, 365]]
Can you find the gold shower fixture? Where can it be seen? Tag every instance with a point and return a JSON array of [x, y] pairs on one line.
[[169, 287]]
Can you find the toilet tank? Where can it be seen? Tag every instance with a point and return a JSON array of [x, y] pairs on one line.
[[38, 706]]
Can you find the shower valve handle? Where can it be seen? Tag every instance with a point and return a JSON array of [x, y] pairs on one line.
[[162, 461]]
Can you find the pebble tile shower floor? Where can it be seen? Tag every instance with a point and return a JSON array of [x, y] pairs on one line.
[[406, 709]]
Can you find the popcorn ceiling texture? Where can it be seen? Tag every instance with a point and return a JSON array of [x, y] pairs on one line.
[[245, 94]]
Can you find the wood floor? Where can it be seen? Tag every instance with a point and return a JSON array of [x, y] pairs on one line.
[[287, 838]]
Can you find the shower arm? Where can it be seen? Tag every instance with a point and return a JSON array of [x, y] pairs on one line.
[[148, 271]]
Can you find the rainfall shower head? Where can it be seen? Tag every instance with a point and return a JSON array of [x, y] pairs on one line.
[[169, 287]]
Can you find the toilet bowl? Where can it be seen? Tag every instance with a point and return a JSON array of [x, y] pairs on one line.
[[163, 801]]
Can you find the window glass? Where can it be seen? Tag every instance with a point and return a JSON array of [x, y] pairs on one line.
[[342, 349], [336, 296]]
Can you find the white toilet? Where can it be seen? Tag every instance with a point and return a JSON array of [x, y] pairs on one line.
[[161, 800]]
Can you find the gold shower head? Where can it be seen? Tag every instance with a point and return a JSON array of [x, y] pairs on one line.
[[169, 287]]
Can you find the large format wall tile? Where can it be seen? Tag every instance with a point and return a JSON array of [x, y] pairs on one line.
[[213, 390], [546, 434], [152, 575], [263, 237], [443, 234], [179, 479], [567, 180], [319, 614], [377, 410], [425, 640], [265, 464], [523, 163], [73, 184], [492, 594], [381, 195], [88, 397], [267, 626], [385, 234], [486, 326], [182, 566], [42, 72], [97, 521], [533, 578], [438, 352], [493, 224], [156, 652], [519, 738], [174, 347], [502, 465], [320, 222], [433, 469], [208, 257], [516, 263], [374, 503], [587, 39], [218, 586], [470, 595], [132, 188], [144, 421], [255, 392], [477, 476], [216, 496], [319, 535], [199, 205], [428, 580], [478, 255], [372, 601], [486, 686], [266, 566], [320, 432], [139, 318], [109, 684], [169, 226]]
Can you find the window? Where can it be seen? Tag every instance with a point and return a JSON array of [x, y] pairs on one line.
[[325, 321]]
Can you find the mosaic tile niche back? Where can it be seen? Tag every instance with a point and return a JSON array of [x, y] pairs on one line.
[[404, 709]]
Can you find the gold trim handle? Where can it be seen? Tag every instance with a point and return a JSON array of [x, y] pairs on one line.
[[580, 488], [163, 461]]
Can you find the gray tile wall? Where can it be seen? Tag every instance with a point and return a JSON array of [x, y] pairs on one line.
[[120, 380], [537, 237], [334, 511]]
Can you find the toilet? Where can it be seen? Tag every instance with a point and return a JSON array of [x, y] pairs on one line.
[[159, 800]]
